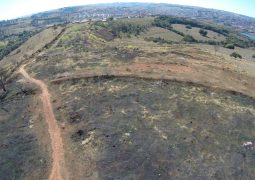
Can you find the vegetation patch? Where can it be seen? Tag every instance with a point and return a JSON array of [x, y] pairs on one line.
[[167, 21], [203, 32], [236, 55], [13, 42], [230, 46], [119, 27]]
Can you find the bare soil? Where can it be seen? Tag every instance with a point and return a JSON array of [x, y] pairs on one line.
[[58, 167]]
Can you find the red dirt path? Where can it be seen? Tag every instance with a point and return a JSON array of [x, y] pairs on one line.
[[53, 129]]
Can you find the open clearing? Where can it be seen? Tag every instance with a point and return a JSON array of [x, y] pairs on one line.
[[245, 53], [157, 32], [194, 31]]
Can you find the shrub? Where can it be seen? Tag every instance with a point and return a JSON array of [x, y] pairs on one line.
[[203, 32], [189, 38], [236, 55], [165, 21], [158, 40], [178, 32], [127, 28], [188, 26], [230, 46], [253, 56]]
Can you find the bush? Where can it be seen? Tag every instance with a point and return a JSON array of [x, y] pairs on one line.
[[253, 56], [203, 32], [239, 41], [230, 46], [236, 55], [189, 38], [178, 32], [188, 26], [158, 40]]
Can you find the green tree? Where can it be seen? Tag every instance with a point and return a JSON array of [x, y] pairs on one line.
[[203, 32]]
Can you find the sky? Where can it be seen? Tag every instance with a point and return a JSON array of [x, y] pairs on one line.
[[10, 9]]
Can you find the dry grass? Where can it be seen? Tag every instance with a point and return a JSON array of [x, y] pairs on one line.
[[245, 53], [156, 32], [30, 47], [195, 33]]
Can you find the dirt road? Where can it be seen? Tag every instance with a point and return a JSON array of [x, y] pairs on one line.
[[58, 170]]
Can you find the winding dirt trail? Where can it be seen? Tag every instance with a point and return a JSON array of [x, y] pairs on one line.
[[56, 140]]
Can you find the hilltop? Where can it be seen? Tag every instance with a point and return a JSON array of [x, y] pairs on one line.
[[151, 97]]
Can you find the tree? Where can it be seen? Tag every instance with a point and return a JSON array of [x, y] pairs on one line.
[[203, 32], [3, 79]]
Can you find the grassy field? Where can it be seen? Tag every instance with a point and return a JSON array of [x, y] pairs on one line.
[[156, 32], [245, 53], [195, 33], [27, 49]]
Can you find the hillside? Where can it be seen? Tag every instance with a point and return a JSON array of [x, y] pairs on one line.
[[153, 97]]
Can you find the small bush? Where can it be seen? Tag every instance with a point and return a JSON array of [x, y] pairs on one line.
[[203, 32], [236, 55], [178, 32], [253, 56], [230, 46], [189, 38], [188, 26]]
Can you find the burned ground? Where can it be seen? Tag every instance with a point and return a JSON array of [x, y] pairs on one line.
[[120, 115], [23, 156], [126, 128]]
